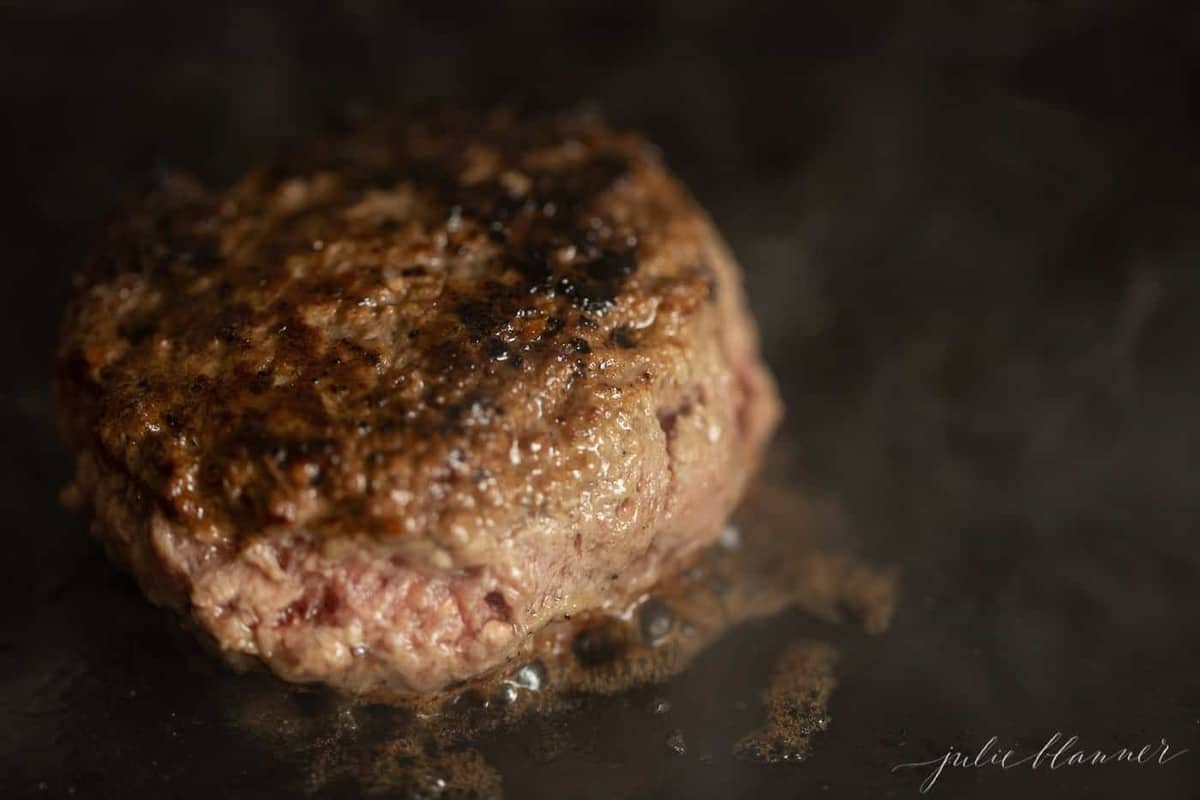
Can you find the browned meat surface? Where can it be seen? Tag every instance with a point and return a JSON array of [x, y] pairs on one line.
[[378, 413]]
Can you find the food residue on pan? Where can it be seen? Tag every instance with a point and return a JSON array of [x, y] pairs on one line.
[[797, 705]]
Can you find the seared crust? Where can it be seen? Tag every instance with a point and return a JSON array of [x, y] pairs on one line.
[[376, 414]]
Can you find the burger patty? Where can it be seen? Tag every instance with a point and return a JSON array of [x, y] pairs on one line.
[[383, 409]]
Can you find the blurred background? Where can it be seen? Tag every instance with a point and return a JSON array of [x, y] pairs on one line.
[[971, 237]]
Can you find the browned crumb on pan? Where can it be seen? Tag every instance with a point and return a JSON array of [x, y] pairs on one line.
[[411, 772], [797, 705]]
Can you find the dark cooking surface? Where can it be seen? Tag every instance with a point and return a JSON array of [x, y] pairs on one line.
[[972, 244]]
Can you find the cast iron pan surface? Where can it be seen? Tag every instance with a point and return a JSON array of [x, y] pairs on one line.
[[972, 242]]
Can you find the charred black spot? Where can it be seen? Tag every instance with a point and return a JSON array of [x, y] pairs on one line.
[[595, 284], [481, 318], [261, 382], [491, 312], [603, 279], [565, 287], [230, 333], [136, 331], [611, 266], [580, 345], [622, 336], [496, 349], [534, 267]]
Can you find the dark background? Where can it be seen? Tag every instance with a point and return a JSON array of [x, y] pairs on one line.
[[971, 238]]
